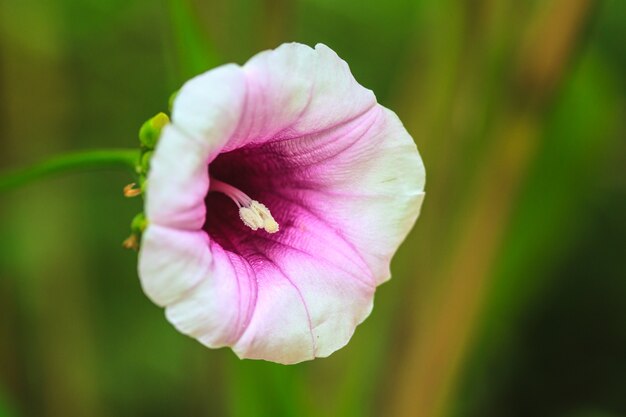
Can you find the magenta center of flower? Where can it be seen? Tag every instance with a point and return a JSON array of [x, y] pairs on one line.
[[253, 214], [244, 185]]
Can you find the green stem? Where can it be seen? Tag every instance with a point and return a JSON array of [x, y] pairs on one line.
[[75, 161]]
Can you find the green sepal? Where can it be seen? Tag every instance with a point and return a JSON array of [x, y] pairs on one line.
[[145, 161]]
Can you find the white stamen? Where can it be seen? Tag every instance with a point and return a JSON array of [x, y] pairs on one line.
[[269, 224], [252, 213], [250, 218]]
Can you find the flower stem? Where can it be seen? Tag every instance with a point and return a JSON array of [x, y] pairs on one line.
[[75, 161]]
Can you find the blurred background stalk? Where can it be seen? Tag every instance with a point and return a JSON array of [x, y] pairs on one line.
[[446, 315]]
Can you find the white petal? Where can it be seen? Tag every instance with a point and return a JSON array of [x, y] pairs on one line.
[[209, 106], [219, 308], [172, 262], [178, 181]]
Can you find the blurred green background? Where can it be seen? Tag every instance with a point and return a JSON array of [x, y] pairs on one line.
[[508, 298]]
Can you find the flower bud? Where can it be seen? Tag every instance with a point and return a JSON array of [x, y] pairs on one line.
[[137, 226], [151, 130], [139, 223]]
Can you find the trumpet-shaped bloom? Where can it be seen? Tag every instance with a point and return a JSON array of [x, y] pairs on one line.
[[276, 199]]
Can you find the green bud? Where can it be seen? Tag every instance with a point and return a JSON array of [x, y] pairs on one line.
[[139, 223], [151, 130]]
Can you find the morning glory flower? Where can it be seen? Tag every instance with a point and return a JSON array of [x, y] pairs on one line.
[[275, 200]]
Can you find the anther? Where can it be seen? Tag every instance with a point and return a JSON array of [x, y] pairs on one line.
[[269, 224], [250, 218], [252, 213]]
